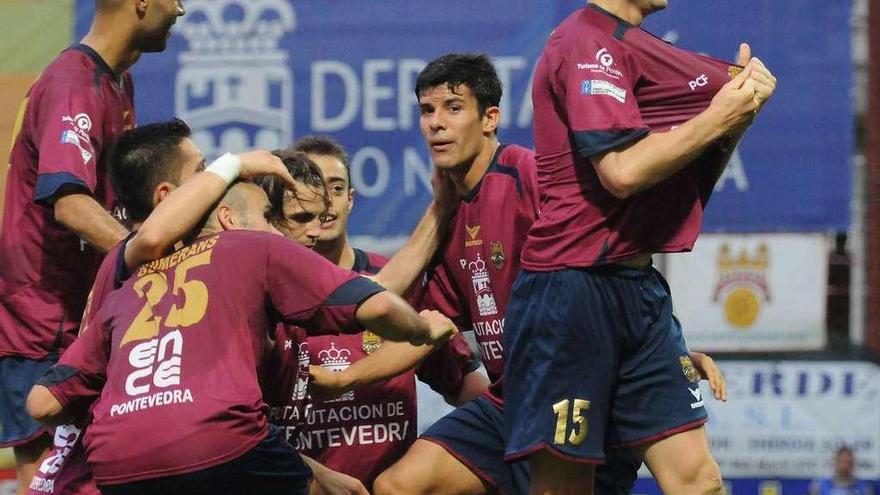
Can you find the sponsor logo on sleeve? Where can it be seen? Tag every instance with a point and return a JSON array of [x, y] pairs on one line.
[[70, 137], [602, 63], [600, 87]]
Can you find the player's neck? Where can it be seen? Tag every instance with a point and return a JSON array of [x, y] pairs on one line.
[[623, 9], [466, 177], [113, 44], [339, 252]]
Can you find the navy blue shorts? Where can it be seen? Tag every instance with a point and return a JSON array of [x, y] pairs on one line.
[[272, 467], [595, 358], [472, 434], [17, 376]]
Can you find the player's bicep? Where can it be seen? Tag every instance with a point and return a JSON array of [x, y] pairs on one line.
[[596, 87]]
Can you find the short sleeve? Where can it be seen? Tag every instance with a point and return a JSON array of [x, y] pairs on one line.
[[309, 291], [70, 138], [594, 78], [79, 376], [444, 370]]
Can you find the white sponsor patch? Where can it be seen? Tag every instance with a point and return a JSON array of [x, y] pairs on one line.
[[600, 87], [70, 137]]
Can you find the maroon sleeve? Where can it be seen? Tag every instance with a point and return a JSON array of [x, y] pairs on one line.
[[309, 291], [70, 138], [444, 370], [79, 376], [593, 77], [438, 292]]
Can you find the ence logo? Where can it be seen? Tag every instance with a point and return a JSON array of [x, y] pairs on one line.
[[742, 284]]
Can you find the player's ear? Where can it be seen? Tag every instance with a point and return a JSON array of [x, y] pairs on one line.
[[351, 192], [226, 217], [161, 192], [491, 119]]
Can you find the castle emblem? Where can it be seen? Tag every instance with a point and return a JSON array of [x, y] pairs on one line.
[[235, 87], [482, 290]]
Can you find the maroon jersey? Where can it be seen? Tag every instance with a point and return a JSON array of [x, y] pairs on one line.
[[179, 344], [73, 111], [479, 261], [601, 83], [65, 471], [362, 432]]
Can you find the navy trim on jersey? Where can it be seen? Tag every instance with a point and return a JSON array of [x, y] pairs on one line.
[[121, 274], [497, 168], [622, 26], [362, 263], [100, 64], [590, 143], [49, 184], [56, 374], [353, 292]]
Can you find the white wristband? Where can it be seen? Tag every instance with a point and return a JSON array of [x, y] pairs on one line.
[[227, 167]]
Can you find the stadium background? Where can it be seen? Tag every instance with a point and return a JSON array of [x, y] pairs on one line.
[[779, 290]]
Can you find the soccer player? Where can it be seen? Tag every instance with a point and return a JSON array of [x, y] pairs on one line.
[[631, 134], [179, 344], [56, 216], [372, 424], [464, 451], [148, 163]]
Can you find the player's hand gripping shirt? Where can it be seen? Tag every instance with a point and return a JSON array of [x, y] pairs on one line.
[[180, 342], [362, 432], [602, 83], [76, 108], [480, 259]]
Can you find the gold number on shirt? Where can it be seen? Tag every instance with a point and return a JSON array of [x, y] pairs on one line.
[[195, 293], [154, 286], [145, 326], [578, 421]]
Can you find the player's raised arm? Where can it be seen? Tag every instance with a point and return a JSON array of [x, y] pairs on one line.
[[405, 266], [181, 211]]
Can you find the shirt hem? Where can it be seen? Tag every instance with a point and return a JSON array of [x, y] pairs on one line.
[[549, 267], [164, 473]]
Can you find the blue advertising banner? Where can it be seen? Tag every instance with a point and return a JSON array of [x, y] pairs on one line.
[[260, 73]]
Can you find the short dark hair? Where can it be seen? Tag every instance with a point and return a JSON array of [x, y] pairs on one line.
[[472, 70], [143, 158], [324, 146], [302, 169]]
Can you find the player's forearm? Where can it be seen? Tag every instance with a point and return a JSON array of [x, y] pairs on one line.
[[473, 385], [45, 408], [174, 217], [656, 157], [390, 360], [405, 266], [390, 317], [85, 217]]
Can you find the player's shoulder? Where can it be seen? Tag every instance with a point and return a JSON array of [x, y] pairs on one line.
[[520, 157], [72, 68], [589, 24], [368, 262]]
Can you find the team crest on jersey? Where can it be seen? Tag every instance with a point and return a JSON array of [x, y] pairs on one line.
[[687, 367], [733, 70], [742, 285], [336, 360], [473, 236], [486, 304], [370, 342], [497, 254]]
